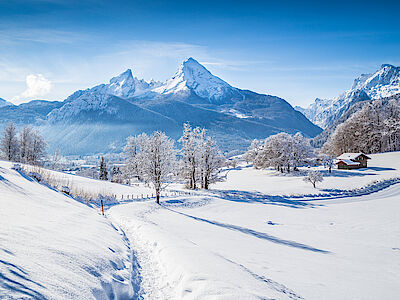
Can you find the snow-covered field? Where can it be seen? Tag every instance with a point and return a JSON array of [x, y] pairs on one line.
[[244, 239], [52, 247]]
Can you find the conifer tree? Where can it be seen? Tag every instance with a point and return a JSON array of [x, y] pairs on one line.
[[103, 173]]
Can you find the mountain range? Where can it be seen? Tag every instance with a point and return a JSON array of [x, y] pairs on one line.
[[98, 119], [383, 83]]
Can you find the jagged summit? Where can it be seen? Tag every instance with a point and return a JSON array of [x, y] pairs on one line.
[[382, 83], [193, 76]]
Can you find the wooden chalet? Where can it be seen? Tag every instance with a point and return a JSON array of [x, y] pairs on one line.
[[350, 161]]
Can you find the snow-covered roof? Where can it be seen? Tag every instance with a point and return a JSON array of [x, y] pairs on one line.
[[349, 162], [345, 156]]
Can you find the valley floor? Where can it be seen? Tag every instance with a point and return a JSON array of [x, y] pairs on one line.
[[244, 239]]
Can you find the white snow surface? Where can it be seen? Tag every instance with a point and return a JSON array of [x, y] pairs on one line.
[[52, 247], [256, 235]]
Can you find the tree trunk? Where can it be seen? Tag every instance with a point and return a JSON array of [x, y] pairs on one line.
[[158, 197], [102, 209], [313, 184]]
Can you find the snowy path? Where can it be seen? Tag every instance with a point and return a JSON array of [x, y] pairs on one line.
[[202, 247]]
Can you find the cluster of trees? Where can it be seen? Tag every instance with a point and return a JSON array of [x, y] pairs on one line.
[[281, 151], [375, 128], [154, 159], [27, 147], [201, 158]]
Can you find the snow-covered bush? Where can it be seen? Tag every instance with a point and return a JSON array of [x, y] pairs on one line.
[[313, 176]]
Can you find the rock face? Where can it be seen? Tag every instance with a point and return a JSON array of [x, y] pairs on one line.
[[383, 83], [100, 118]]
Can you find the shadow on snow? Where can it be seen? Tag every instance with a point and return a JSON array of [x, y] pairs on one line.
[[15, 280], [256, 197], [248, 231]]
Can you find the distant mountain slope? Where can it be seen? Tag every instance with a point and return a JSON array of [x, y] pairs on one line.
[[5, 103], [383, 83], [320, 139], [33, 112], [100, 118]]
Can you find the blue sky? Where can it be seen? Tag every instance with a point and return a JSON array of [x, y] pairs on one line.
[[293, 49]]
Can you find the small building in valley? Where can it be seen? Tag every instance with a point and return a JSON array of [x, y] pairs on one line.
[[352, 161]]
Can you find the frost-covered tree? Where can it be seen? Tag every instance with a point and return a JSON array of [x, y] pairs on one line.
[[156, 158], [283, 152], [211, 161], [131, 150], [103, 172], [302, 150], [37, 148], [25, 142], [313, 176], [190, 152], [32, 146], [255, 148], [375, 128], [201, 158], [328, 161], [9, 145]]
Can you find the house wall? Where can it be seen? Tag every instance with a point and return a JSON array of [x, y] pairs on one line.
[[362, 160], [342, 165]]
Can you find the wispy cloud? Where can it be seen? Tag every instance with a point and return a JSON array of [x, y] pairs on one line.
[[40, 35]]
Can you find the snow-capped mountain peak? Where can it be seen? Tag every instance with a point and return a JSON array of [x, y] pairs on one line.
[[192, 76], [384, 82], [126, 85]]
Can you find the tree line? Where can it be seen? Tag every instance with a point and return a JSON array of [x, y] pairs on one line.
[[154, 159], [373, 129]]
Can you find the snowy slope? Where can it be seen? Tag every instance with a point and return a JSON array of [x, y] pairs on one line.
[[237, 243], [243, 239], [383, 83], [53, 247]]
